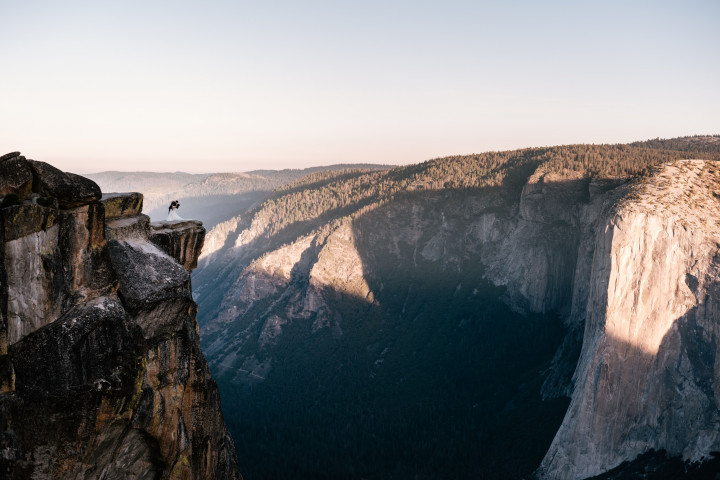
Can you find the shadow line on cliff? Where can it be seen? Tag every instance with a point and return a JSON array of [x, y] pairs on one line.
[[508, 458], [211, 280]]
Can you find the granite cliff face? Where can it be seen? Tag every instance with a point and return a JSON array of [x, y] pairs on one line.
[[606, 288], [102, 373], [647, 375]]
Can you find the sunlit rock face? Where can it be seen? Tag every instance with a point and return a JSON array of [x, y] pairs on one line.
[[101, 373], [647, 375]]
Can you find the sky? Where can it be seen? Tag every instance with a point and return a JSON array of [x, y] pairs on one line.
[[213, 85]]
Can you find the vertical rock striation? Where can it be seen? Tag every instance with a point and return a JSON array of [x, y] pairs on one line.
[[101, 373]]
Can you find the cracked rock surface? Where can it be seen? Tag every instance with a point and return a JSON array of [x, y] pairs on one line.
[[101, 371]]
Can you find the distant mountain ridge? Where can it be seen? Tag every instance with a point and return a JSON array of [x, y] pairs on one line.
[[210, 197], [427, 321]]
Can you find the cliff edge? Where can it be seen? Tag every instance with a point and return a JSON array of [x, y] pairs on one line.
[[647, 374], [101, 373]]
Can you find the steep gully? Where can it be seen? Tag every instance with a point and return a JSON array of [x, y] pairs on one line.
[[631, 268], [102, 373]]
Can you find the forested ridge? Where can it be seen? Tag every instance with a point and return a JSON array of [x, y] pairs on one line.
[[341, 192]]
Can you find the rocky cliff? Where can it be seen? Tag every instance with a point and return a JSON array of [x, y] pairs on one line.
[[647, 375], [452, 325], [102, 373]]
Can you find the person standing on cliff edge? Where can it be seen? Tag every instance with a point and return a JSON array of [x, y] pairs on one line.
[[172, 213]]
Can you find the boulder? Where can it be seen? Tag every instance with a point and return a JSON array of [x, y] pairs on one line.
[[146, 273], [181, 240], [70, 190], [10, 155], [75, 384], [154, 288], [119, 205], [94, 346], [128, 228], [25, 219], [15, 175]]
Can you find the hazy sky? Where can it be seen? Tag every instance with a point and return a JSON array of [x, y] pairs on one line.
[[233, 86]]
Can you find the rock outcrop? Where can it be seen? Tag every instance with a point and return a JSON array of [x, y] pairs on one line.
[[101, 373], [182, 240]]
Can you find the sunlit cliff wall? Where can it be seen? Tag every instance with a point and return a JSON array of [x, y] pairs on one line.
[[647, 375]]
